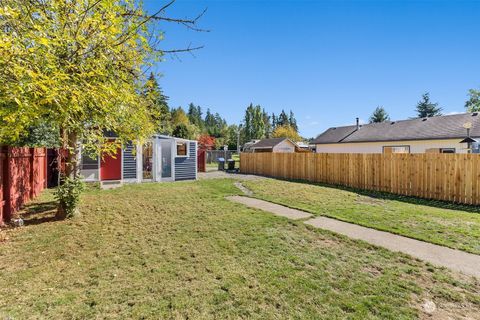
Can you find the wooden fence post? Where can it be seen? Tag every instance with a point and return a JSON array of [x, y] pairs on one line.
[[3, 180]]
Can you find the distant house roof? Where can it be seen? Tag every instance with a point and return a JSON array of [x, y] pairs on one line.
[[302, 144], [439, 127], [269, 143]]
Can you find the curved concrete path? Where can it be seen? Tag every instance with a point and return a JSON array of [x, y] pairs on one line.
[[441, 256]]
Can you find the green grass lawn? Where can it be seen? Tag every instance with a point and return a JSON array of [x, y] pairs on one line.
[[453, 226], [180, 250]]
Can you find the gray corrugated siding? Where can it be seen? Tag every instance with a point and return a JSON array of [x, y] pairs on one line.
[[185, 168], [129, 163]]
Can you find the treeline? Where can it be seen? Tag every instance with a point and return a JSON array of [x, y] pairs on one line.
[[426, 108], [211, 129], [258, 124], [191, 123]]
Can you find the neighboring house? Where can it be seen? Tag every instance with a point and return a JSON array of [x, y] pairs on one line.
[[274, 145], [162, 158], [247, 146], [441, 134], [303, 147]]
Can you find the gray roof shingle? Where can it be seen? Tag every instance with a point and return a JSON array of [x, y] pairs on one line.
[[440, 127]]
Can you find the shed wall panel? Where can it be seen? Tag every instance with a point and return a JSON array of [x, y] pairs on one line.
[[185, 167]]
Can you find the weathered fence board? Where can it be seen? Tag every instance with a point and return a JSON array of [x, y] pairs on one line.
[[23, 175], [448, 177]]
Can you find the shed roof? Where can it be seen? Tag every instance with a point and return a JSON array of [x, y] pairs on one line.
[[269, 143], [439, 127]]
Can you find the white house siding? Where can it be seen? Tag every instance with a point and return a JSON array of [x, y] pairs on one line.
[[284, 146], [416, 146]]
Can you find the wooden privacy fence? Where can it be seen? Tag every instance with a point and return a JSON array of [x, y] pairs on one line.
[[23, 175], [448, 177]]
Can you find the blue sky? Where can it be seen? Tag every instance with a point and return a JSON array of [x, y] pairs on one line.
[[328, 61]]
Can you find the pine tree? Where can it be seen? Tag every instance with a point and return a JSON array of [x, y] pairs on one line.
[[425, 108], [292, 121], [379, 115], [268, 125], [283, 119], [158, 104], [274, 121], [473, 103], [195, 116]]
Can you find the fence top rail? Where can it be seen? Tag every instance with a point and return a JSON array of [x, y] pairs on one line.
[[472, 155]]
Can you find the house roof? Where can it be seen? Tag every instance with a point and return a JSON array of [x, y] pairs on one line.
[[269, 143], [439, 127]]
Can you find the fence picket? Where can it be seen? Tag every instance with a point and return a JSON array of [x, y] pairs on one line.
[[449, 177]]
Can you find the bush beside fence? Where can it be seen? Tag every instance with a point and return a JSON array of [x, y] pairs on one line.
[[448, 177], [23, 174]]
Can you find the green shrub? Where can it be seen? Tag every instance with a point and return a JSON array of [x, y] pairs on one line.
[[68, 196]]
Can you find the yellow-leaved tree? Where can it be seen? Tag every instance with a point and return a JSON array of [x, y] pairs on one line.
[[286, 131], [80, 66]]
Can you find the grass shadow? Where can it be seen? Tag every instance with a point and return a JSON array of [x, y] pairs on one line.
[[39, 212], [390, 196]]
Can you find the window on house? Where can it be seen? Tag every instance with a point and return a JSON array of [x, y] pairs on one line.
[[88, 162], [447, 150], [396, 149], [182, 149]]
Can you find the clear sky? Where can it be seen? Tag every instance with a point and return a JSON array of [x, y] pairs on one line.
[[328, 61]]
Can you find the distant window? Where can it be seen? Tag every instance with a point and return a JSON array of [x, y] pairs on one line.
[[396, 149], [447, 150], [475, 147], [182, 149], [88, 163]]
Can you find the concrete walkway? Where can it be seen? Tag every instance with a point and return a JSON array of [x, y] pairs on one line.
[[276, 209], [441, 256]]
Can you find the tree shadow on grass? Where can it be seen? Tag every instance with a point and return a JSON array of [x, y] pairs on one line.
[[39, 212], [390, 196]]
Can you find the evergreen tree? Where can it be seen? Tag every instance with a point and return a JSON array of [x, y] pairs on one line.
[[195, 116], [158, 104], [379, 115], [274, 121], [210, 123], [425, 108], [283, 119], [268, 125], [473, 103], [292, 121], [182, 131]]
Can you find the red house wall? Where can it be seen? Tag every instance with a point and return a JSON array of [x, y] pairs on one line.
[[110, 167]]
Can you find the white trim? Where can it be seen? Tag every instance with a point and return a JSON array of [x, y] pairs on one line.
[[187, 143], [170, 137], [196, 160], [139, 157], [173, 153]]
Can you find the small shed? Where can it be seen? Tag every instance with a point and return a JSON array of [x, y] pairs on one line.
[[274, 145], [161, 158]]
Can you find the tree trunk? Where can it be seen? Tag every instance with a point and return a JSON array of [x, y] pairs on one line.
[[72, 149]]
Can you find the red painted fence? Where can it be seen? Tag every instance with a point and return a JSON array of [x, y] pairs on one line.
[[201, 160], [23, 175]]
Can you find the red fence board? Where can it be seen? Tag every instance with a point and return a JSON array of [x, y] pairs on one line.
[[201, 160], [22, 177]]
